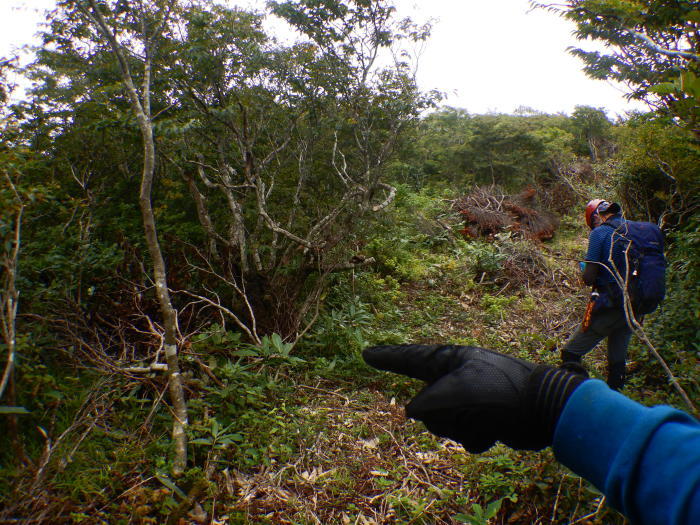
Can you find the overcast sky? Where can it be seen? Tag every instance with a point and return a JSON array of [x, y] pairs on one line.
[[487, 56]]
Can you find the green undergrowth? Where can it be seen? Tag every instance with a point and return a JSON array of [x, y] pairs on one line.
[[309, 433]]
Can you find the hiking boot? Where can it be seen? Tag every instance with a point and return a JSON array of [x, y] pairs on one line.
[[616, 376], [569, 357]]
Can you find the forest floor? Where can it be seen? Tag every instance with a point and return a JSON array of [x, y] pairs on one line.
[[324, 440], [369, 464]]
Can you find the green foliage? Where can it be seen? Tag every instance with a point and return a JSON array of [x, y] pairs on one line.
[[649, 47], [341, 331], [218, 437], [251, 419], [687, 83], [383, 292], [215, 336], [236, 109], [227, 101], [484, 258], [496, 306], [679, 319], [657, 168], [593, 130], [273, 345], [480, 515], [508, 150], [408, 237], [396, 258], [215, 339]]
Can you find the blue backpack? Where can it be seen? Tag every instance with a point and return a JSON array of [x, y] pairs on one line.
[[646, 283]]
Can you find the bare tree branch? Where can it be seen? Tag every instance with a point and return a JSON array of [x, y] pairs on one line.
[[389, 199], [9, 293], [659, 49]]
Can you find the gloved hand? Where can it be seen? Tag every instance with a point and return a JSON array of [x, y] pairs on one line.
[[477, 397]]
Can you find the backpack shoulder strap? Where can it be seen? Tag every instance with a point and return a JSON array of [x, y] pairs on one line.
[[617, 226]]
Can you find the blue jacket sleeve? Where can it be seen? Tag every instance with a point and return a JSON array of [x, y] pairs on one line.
[[596, 241], [645, 460]]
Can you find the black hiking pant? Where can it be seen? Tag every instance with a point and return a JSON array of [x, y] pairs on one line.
[[609, 323]]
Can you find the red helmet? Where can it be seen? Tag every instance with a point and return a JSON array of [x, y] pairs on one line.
[[591, 209]]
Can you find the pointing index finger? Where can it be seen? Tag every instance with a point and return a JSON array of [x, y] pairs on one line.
[[425, 362]]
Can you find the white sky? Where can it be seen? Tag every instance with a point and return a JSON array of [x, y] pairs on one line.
[[487, 56]]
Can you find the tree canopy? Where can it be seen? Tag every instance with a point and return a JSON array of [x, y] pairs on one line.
[[653, 49]]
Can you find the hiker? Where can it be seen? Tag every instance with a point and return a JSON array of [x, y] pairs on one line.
[[612, 244], [645, 460]]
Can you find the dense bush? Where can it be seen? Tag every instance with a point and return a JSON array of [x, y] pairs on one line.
[[678, 323]]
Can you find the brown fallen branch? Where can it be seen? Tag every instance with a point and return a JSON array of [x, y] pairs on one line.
[[352, 264], [487, 211], [153, 367]]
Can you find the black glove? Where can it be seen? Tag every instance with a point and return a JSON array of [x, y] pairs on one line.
[[477, 397]]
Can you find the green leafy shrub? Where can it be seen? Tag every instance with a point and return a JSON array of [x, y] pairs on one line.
[[341, 331], [484, 259], [675, 327], [479, 514], [679, 317]]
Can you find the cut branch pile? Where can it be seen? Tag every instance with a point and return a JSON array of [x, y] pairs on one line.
[[524, 264], [487, 211]]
